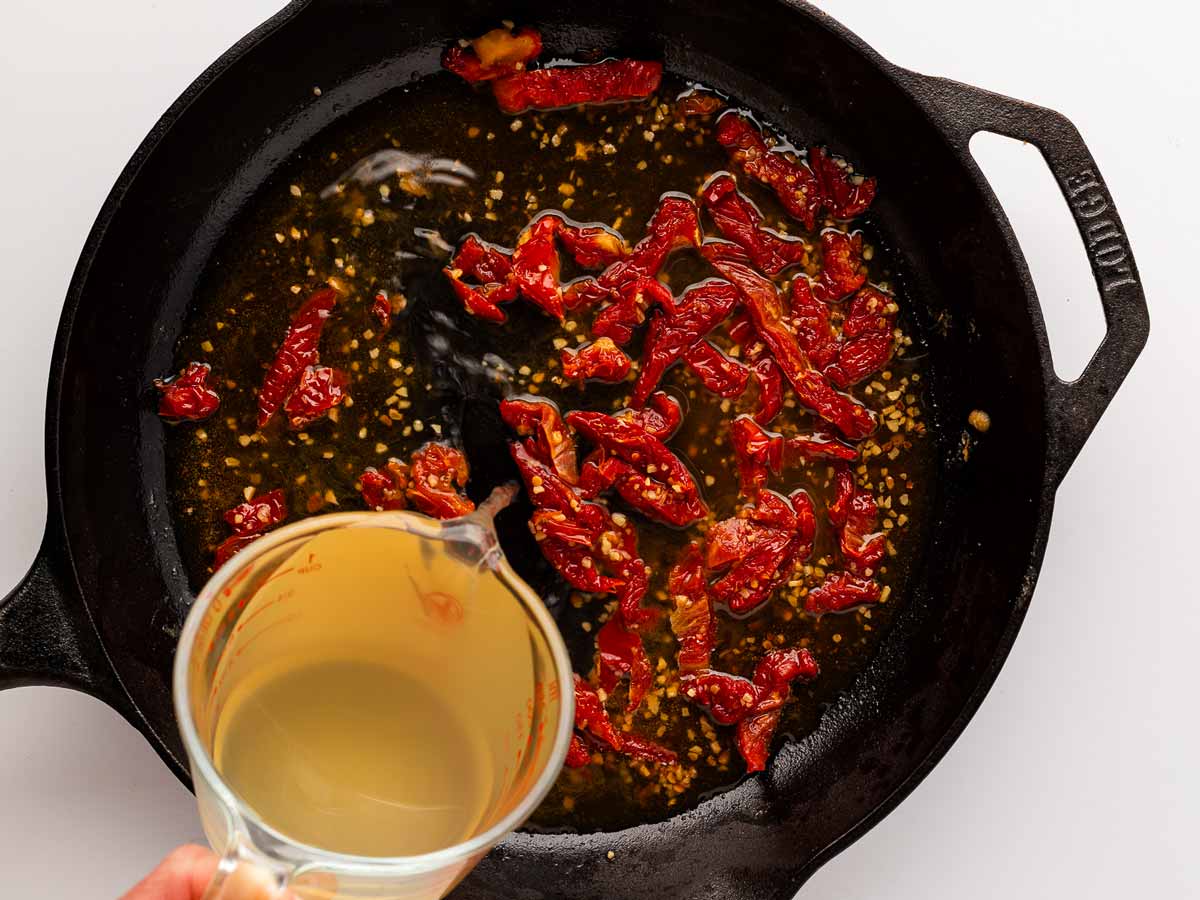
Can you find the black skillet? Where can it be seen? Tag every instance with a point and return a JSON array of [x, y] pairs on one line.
[[100, 609]]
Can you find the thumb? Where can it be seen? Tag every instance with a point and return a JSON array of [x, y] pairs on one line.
[[183, 875]]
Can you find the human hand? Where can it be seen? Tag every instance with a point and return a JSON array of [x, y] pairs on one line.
[[183, 875]]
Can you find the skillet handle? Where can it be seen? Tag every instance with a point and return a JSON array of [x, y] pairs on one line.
[[47, 637], [1074, 407]]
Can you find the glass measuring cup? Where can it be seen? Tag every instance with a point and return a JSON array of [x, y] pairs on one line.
[[391, 589]]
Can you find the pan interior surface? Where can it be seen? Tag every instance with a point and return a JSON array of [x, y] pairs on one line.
[[987, 524]]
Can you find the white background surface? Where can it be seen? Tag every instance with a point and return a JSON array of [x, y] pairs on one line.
[[1077, 778]]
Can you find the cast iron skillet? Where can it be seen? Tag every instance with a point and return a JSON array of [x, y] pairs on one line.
[[100, 609]]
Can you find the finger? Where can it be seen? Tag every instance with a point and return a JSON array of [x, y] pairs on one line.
[[183, 875]]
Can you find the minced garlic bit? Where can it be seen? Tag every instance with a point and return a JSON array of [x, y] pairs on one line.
[[979, 420]]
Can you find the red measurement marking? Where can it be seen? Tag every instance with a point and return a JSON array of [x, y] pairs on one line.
[[250, 640], [286, 595], [275, 575]]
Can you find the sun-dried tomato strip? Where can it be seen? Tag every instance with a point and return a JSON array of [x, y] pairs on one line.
[[381, 309], [793, 182], [250, 521], [542, 419], [855, 513], [620, 652], [592, 246], [738, 219], [577, 753], [630, 283], [754, 706], [728, 698], [385, 489], [188, 397], [692, 619], [298, 351], [698, 310], [768, 313], [841, 591], [319, 390], [638, 747], [759, 548], [497, 53], [772, 677], [842, 270], [652, 478], [601, 360], [258, 514], [843, 193], [490, 266], [552, 88], [535, 265], [437, 474], [867, 339], [591, 717], [720, 374], [593, 549], [759, 452], [812, 326], [660, 416], [770, 390]]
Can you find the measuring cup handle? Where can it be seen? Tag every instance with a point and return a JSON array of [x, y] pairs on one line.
[[244, 875]]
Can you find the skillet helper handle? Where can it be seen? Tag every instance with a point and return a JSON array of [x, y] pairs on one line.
[[1074, 407], [46, 636]]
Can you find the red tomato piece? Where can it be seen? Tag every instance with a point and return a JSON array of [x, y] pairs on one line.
[[257, 515], [381, 309], [759, 452], [552, 88], [719, 374], [792, 181], [759, 548], [188, 398], [660, 417], [592, 246], [768, 313], [600, 360], [535, 265], [436, 474], [692, 619], [385, 489], [621, 653], [319, 390], [842, 270], [637, 747], [650, 477], [770, 390], [843, 193], [491, 266], [867, 339], [738, 219], [298, 351], [250, 521], [841, 591], [542, 419], [630, 283], [591, 717], [698, 311], [577, 753], [493, 55]]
